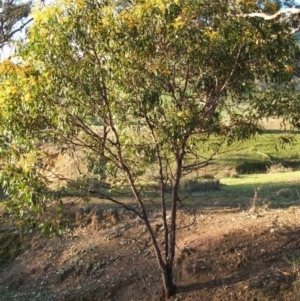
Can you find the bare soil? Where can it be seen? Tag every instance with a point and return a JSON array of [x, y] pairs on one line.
[[222, 255]]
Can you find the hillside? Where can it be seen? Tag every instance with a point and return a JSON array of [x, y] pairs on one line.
[[224, 254]]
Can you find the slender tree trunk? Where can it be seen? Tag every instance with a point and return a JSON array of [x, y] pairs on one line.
[[168, 284]]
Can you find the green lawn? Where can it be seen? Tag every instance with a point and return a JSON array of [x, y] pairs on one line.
[[257, 155], [274, 190]]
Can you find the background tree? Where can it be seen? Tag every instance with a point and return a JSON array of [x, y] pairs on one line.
[[137, 89], [14, 17]]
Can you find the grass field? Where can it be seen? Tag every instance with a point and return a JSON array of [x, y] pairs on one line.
[[262, 163], [261, 152], [231, 178]]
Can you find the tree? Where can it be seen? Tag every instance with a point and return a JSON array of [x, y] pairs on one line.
[[14, 17], [143, 87]]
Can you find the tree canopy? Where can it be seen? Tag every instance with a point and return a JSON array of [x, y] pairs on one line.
[[135, 88]]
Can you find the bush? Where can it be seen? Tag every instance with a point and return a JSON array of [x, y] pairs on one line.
[[200, 184], [253, 167]]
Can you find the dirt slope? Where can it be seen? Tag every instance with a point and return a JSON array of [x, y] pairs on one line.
[[222, 256]]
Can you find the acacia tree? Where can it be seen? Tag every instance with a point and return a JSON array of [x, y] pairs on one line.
[[157, 78]]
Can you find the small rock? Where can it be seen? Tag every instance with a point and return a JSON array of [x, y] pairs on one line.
[[88, 268], [47, 267]]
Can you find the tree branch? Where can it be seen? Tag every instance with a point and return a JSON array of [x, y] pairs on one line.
[[292, 11], [289, 11]]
